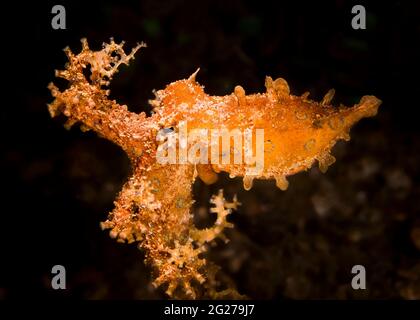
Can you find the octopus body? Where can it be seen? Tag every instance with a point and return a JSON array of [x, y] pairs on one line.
[[154, 207]]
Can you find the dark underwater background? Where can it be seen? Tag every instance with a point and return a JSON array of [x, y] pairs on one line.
[[57, 185]]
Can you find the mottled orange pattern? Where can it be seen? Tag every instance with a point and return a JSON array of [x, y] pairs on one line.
[[154, 207]]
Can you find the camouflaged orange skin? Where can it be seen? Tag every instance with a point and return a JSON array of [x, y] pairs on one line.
[[297, 131], [154, 206]]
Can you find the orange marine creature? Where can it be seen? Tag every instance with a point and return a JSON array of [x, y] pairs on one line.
[[154, 207]]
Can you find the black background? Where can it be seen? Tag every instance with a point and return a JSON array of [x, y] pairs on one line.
[[58, 185]]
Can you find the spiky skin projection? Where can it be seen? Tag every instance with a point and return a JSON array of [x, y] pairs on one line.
[[156, 212]]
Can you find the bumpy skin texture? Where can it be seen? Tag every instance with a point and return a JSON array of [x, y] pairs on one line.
[[156, 212]]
